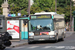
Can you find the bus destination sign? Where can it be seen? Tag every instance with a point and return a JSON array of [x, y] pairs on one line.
[[40, 16]]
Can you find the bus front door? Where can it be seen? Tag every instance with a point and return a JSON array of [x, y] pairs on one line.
[[24, 29]]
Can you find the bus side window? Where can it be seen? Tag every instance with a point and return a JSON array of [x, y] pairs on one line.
[[1, 23]]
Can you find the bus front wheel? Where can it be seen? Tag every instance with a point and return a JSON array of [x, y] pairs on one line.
[[56, 38], [62, 39], [29, 42]]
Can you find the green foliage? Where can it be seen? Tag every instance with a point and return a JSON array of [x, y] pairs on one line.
[[66, 11], [43, 5], [18, 3], [0, 10], [21, 6], [73, 8], [14, 10], [24, 12], [63, 7], [18, 6], [61, 3], [35, 9], [1, 1]]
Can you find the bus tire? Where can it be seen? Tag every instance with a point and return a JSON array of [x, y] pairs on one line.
[[62, 39], [29, 42], [56, 38]]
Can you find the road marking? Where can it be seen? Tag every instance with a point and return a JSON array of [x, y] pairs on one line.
[[34, 47], [60, 47], [70, 47], [47, 47]]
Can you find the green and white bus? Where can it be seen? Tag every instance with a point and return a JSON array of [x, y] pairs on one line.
[[43, 27]]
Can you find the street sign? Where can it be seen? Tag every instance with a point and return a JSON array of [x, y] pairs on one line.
[[11, 15], [19, 14], [14, 15]]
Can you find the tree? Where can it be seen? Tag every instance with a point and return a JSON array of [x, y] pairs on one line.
[[43, 5], [0, 10], [63, 3], [18, 6], [35, 9], [63, 7], [1, 1]]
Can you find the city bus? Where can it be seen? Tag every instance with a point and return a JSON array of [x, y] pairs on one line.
[[43, 27]]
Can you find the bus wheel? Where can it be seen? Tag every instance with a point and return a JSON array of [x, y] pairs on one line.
[[56, 39], [62, 39], [29, 42]]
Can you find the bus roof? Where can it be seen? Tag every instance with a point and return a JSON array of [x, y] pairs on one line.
[[58, 16], [55, 15], [41, 13]]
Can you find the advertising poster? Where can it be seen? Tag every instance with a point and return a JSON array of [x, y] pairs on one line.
[[13, 28]]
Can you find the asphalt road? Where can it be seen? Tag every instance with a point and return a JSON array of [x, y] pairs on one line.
[[67, 44]]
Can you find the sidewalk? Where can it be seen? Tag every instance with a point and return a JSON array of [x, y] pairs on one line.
[[18, 43], [70, 31]]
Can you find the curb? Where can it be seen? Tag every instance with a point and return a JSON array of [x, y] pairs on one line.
[[18, 45], [14, 40], [70, 32]]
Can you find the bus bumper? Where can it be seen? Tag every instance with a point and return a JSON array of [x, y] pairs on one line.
[[42, 38]]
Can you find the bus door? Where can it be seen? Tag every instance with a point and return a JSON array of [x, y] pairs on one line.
[[24, 29]]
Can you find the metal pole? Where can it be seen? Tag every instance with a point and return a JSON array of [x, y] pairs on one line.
[[55, 5], [70, 15], [29, 7]]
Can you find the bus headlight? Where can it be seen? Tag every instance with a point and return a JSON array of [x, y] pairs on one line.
[[51, 33], [31, 34]]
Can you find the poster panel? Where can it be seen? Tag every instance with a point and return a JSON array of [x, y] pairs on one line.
[[13, 28]]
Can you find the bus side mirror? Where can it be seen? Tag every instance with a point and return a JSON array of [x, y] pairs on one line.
[[25, 21]]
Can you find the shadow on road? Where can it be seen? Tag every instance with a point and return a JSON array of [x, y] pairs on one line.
[[46, 42]]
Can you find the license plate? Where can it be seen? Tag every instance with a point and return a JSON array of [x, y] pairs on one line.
[[41, 39]]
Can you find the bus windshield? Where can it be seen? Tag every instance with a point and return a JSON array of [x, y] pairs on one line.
[[41, 25]]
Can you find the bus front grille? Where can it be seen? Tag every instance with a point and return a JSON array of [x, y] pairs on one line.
[[37, 33]]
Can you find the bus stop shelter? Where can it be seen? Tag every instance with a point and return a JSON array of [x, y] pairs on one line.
[[16, 27]]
